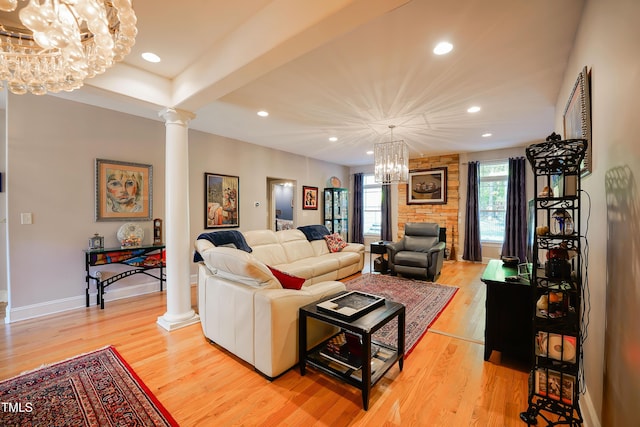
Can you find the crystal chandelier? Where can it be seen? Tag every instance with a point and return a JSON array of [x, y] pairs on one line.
[[391, 161], [54, 45]]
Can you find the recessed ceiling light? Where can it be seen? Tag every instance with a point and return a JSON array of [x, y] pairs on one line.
[[370, 152], [486, 135], [263, 113], [443, 48], [150, 57], [333, 138], [473, 109]]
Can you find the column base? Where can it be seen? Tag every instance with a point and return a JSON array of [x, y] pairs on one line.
[[173, 324]]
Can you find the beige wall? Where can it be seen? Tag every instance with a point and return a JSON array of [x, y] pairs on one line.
[[607, 43], [52, 147]]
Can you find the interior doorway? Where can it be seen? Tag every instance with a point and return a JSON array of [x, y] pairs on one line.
[[282, 203]]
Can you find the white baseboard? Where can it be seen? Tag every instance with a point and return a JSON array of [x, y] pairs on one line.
[[65, 304], [4, 296], [589, 413]]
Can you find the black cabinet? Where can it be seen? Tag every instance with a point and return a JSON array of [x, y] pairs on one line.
[[557, 287], [508, 319]]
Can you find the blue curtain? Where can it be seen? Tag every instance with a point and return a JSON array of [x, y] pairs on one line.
[[385, 225], [357, 224], [515, 238], [472, 248]]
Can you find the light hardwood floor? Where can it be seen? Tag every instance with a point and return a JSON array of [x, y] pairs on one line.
[[445, 381]]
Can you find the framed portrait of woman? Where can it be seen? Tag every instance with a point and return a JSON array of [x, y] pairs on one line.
[[123, 191]]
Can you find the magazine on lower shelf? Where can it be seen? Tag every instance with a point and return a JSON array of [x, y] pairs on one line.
[[346, 349]]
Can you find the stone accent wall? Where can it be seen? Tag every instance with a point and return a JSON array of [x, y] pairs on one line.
[[445, 215]]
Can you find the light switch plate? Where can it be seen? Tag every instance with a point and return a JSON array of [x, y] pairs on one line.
[[26, 218]]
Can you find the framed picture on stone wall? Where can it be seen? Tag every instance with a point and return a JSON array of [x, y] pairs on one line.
[[427, 186]]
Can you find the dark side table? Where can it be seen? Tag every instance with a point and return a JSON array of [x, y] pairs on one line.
[[508, 322], [378, 248], [363, 326]]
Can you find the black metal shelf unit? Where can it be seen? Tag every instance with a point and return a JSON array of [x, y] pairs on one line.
[[557, 291]]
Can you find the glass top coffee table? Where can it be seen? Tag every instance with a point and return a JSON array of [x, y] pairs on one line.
[[343, 355]]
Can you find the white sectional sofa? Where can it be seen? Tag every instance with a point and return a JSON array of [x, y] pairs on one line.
[[243, 306]]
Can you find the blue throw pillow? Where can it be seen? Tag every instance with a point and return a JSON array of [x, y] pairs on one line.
[[314, 232]]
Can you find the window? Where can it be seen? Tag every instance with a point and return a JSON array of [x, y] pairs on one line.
[[492, 200], [372, 203]]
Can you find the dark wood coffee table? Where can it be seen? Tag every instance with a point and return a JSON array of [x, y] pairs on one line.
[[363, 326]]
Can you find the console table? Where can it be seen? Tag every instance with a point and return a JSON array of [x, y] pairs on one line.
[[508, 324], [363, 326], [141, 259]]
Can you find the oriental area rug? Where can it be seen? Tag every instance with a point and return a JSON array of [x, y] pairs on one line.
[[423, 301], [94, 389]]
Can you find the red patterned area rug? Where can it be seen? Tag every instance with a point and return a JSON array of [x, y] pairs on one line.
[[94, 389], [424, 302]]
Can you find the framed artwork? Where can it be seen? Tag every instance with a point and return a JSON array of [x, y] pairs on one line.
[[309, 197], [577, 118], [427, 186], [123, 191], [221, 201]]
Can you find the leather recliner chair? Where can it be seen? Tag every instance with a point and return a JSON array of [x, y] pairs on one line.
[[419, 253]]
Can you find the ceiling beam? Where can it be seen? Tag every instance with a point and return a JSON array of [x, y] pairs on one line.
[[279, 33]]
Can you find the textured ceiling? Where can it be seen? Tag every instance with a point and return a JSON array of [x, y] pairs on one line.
[[349, 68]]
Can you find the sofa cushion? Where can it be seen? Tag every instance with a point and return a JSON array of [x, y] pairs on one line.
[[335, 242], [412, 259], [266, 246], [419, 243], [295, 245], [288, 281], [234, 264]]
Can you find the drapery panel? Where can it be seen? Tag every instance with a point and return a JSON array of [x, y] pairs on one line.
[[472, 248], [386, 228], [515, 239], [357, 223]]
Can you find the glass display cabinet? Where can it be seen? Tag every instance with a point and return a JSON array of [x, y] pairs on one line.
[[336, 211]]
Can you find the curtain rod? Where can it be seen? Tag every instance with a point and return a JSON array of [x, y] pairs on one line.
[[493, 160]]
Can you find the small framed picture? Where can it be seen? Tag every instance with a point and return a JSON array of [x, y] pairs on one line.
[[221, 201], [427, 186], [309, 197], [123, 191]]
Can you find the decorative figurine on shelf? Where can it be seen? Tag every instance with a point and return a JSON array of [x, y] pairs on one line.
[[546, 192], [130, 235], [157, 231], [96, 242], [562, 224]]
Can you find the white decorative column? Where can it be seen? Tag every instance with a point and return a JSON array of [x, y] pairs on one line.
[[177, 234]]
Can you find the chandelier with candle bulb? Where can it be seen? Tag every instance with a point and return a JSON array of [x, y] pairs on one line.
[[54, 45]]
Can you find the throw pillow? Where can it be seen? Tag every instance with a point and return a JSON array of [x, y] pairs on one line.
[[288, 281], [335, 242]]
